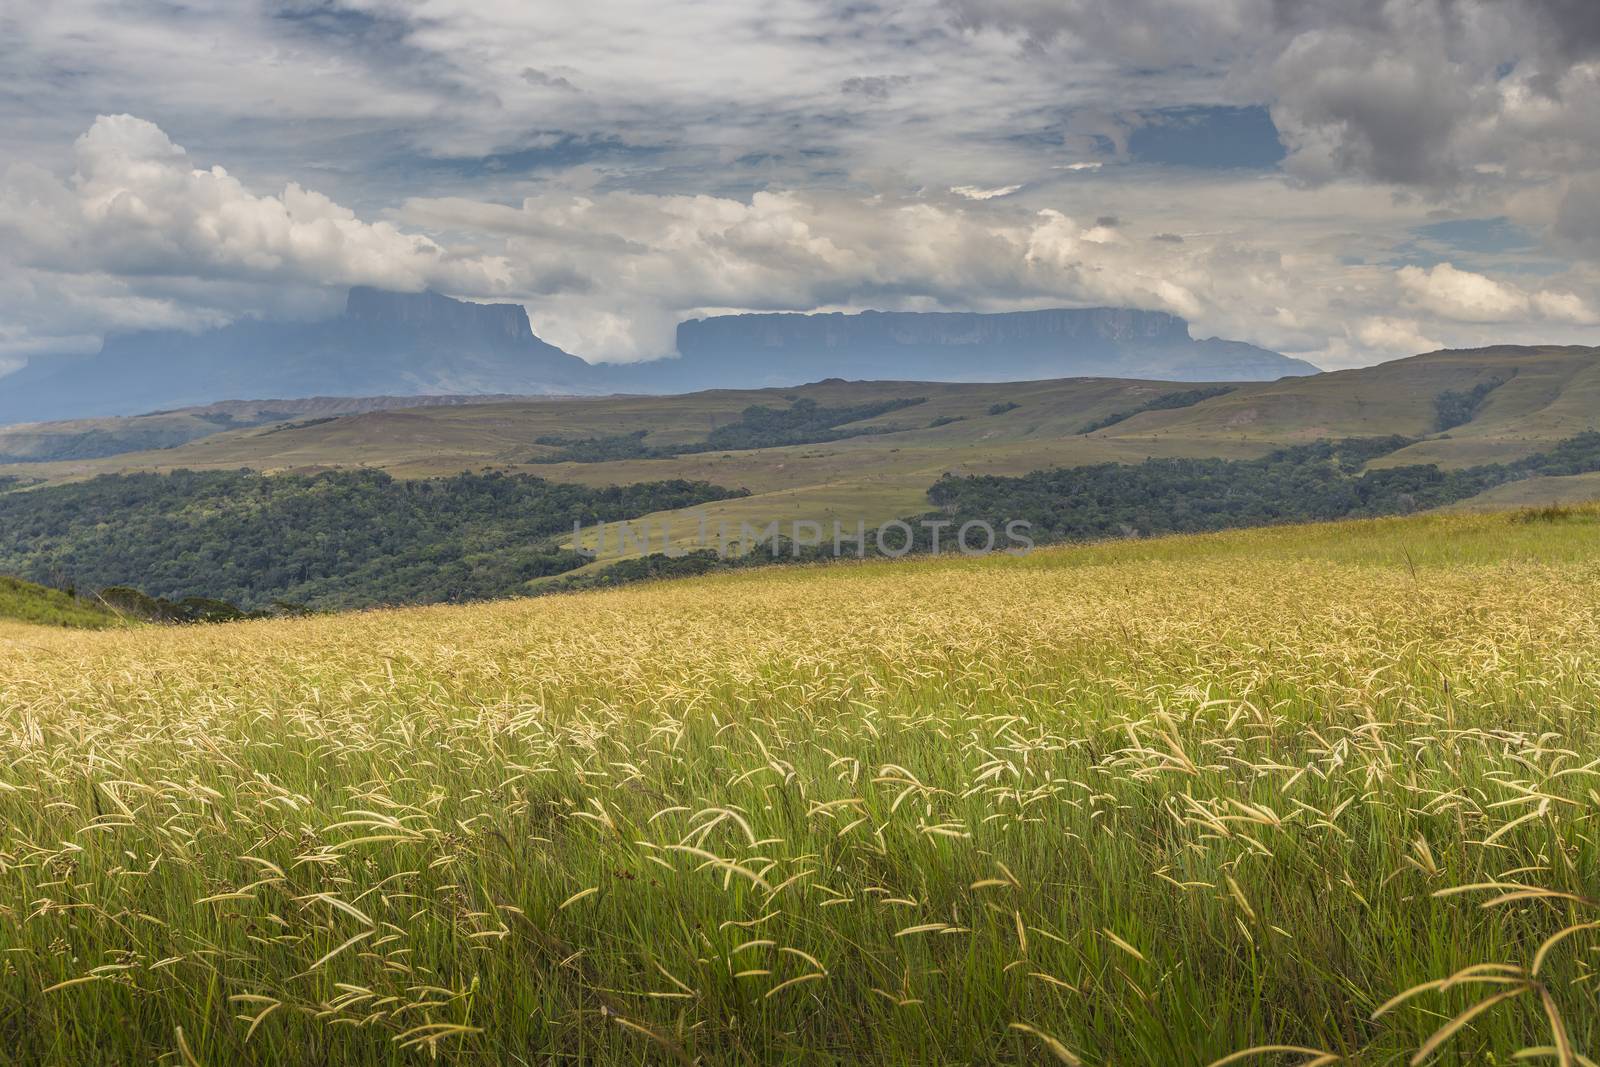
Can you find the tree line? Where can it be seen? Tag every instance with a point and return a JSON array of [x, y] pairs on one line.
[[339, 539], [1318, 482]]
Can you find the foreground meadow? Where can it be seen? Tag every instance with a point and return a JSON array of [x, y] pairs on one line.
[[1329, 789]]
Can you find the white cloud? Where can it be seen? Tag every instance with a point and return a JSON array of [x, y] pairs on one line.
[[1566, 307], [138, 204], [972, 192], [140, 237], [658, 259], [1400, 337], [1464, 296]]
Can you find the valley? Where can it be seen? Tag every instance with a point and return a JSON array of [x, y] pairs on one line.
[[1529, 399]]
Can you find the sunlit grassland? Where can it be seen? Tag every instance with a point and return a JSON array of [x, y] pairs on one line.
[[26, 602], [1154, 802]]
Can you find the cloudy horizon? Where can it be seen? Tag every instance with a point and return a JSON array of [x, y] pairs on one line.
[[1342, 183]]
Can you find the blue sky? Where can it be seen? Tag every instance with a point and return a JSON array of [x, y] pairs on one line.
[[1345, 182]]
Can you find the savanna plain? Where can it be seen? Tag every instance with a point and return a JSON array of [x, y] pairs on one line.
[[1303, 795]]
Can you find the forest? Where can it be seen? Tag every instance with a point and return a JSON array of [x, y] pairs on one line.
[[340, 539], [1187, 398], [1457, 407], [1307, 483]]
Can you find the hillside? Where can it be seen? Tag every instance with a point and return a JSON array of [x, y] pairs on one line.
[[1162, 802], [1542, 394], [25, 602], [77, 439]]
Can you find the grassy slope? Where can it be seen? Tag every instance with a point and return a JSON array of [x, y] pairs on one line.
[[25, 602], [1535, 492], [1549, 393], [43, 442], [1158, 802]]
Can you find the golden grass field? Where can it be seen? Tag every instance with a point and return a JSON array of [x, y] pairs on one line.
[[1312, 795]]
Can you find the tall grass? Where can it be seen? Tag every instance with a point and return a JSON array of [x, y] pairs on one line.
[[1149, 804]]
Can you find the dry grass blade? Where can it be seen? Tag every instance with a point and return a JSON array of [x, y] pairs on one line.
[[1317, 1056], [1057, 1049]]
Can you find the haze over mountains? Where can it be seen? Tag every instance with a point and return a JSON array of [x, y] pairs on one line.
[[414, 344]]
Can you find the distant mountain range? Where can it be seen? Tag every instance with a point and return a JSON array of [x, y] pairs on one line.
[[410, 344]]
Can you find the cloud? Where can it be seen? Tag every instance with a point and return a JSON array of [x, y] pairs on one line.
[[547, 80], [138, 217], [1399, 336], [1565, 307], [1463, 296], [1427, 93], [678, 256], [972, 192], [597, 165], [140, 236], [876, 87]]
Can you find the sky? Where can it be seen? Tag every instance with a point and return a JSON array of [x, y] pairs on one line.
[[1346, 182]]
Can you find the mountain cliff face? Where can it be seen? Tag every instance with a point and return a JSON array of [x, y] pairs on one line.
[[433, 313], [396, 344], [789, 349]]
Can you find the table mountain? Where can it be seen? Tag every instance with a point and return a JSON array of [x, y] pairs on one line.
[[385, 343], [750, 351]]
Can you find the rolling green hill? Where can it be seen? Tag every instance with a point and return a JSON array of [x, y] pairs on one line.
[[25, 602], [88, 439], [1543, 394]]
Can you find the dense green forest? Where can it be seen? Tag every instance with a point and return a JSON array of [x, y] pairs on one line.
[[1457, 407], [1188, 398], [598, 449], [1307, 483], [340, 539], [804, 422]]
